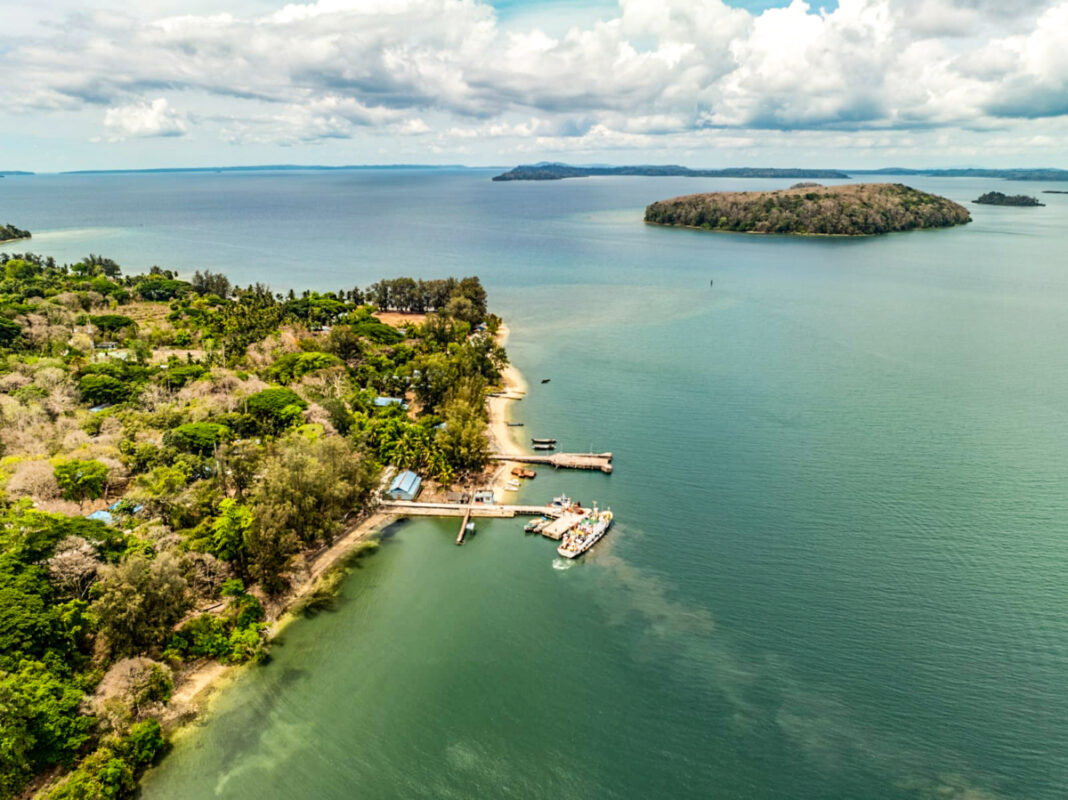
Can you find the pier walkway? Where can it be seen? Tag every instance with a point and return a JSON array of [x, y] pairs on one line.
[[601, 461], [413, 508]]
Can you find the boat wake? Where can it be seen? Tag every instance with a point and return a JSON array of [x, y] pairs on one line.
[[563, 563]]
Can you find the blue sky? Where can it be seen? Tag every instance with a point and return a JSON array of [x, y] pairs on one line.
[[87, 84]]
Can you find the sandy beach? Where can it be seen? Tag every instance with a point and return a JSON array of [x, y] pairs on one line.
[[504, 439]]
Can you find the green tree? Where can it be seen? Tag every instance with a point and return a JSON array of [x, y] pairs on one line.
[[139, 601], [98, 389], [81, 480], [230, 529], [197, 437], [276, 409]]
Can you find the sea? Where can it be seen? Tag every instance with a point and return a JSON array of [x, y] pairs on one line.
[[839, 567]]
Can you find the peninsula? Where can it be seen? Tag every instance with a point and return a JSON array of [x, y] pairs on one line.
[[861, 209], [183, 458], [9, 233], [1002, 199], [546, 171]]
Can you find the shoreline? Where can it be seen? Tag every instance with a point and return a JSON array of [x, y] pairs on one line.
[[197, 686], [194, 688], [503, 439]]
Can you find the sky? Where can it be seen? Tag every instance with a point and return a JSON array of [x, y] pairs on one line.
[[93, 84]]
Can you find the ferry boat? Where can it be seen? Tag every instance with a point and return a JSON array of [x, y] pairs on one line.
[[586, 534]]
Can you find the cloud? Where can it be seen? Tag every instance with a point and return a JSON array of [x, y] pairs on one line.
[[156, 118], [667, 69]]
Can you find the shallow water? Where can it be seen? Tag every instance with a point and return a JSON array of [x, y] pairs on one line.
[[838, 567]]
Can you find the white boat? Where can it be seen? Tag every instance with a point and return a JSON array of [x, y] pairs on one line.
[[511, 486], [585, 534]]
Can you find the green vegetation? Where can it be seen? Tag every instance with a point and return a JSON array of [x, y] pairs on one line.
[[848, 210], [237, 429], [9, 233], [1001, 199]]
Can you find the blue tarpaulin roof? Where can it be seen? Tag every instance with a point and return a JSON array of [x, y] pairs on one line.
[[407, 482], [103, 516]]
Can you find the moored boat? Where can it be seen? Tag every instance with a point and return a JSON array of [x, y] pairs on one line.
[[586, 534], [543, 441], [545, 447]]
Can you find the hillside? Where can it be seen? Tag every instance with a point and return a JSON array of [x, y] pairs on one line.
[[554, 172], [852, 210]]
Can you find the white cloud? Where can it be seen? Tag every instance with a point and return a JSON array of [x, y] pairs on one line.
[[667, 70], [156, 118]]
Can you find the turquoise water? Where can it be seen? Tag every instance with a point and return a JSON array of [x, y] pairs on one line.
[[838, 568]]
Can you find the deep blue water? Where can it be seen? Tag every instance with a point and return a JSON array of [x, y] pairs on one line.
[[839, 564]]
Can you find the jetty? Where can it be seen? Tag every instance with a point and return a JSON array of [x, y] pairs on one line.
[[414, 508], [601, 461]]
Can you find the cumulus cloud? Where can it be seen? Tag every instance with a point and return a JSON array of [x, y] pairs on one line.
[[155, 118], [335, 69]]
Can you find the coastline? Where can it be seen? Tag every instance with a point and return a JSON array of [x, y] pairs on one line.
[[503, 439], [195, 687]]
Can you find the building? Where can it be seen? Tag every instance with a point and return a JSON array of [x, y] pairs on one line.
[[405, 486], [383, 402]]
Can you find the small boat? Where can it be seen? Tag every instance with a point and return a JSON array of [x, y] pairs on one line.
[[470, 527], [546, 380], [519, 472], [512, 486], [562, 500], [545, 447], [532, 526], [543, 441], [515, 424]]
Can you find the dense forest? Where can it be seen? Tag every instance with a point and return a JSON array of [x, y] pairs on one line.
[[171, 453], [546, 171], [848, 210], [1001, 199], [9, 233]]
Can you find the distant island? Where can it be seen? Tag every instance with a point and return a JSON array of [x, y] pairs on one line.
[[554, 171], [9, 233], [1012, 174], [861, 209], [1000, 199], [546, 171]]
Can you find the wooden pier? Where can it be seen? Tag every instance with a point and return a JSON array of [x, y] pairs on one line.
[[463, 527], [601, 461], [413, 508]]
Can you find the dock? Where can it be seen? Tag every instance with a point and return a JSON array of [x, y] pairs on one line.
[[601, 461], [413, 508], [463, 527]]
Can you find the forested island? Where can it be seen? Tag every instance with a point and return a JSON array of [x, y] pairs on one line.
[[546, 171], [172, 454], [1001, 199], [848, 210], [9, 233]]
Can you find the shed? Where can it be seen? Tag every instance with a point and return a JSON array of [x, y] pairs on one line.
[[382, 402], [405, 486]]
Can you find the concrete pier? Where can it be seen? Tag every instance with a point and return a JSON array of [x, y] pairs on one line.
[[601, 461]]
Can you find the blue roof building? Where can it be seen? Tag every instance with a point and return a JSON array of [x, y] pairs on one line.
[[405, 486]]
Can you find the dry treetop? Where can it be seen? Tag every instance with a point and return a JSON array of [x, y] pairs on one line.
[[858, 209]]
